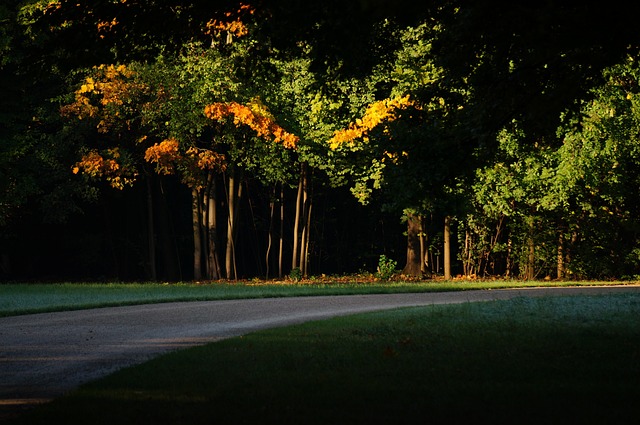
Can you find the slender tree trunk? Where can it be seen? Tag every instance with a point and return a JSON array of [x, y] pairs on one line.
[[486, 261], [231, 198], [433, 263], [302, 221], [272, 208], [197, 234], [151, 239], [531, 254], [234, 195], [568, 254], [466, 267], [447, 248], [297, 220], [508, 261], [423, 251], [305, 222], [211, 225], [560, 268], [306, 237], [212, 243], [413, 265]]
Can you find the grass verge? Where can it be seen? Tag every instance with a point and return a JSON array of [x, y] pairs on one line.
[[16, 299], [526, 360]]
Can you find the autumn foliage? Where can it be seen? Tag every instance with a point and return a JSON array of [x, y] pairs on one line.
[[256, 117], [164, 155], [231, 26], [376, 114], [168, 159], [103, 99], [110, 165], [102, 95]]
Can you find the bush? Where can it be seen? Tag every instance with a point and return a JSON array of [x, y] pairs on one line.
[[295, 274], [386, 268]]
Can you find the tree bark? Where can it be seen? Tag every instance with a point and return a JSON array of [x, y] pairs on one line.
[[509, 261], [447, 248], [306, 223], [211, 225], [234, 195], [560, 267], [413, 266], [297, 220], [467, 269], [424, 259], [306, 237], [272, 208], [531, 254], [197, 238]]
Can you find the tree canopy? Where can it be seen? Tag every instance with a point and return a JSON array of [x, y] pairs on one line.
[[308, 137]]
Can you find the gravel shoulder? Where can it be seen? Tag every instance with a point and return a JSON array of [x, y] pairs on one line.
[[43, 356]]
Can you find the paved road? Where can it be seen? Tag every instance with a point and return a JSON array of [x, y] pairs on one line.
[[42, 356]]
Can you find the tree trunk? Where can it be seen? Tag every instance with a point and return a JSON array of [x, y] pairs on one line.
[[234, 195], [197, 238], [509, 261], [422, 251], [297, 220], [272, 208], [306, 237], [531, 254], [467, 269], [560, 268], [306, 223], [301, 223], [211, 227], [447, 248], [413, 265]]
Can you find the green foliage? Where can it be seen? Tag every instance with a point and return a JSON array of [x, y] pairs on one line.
[[295, 274], [386, 267]]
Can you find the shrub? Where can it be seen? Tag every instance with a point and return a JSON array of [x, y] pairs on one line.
[[295, 274], [386, 268]]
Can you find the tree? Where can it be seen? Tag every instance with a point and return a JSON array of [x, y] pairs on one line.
[[514, 194], [402, 153], [260, 120], [308, 97], [210, 83], [558, 210], [598, 175], [487, 87], [50, 44]]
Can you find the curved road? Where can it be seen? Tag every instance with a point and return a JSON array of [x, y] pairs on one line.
[[42, 356]]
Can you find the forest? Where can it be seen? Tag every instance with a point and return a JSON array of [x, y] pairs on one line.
[[146, 140]]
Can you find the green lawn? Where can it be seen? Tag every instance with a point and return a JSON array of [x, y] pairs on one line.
[[565, 360], [36, 298]]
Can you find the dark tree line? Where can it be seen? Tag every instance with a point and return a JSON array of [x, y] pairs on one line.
[[470, 138]]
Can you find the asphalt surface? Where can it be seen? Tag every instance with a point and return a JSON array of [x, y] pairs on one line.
[[43, 356]]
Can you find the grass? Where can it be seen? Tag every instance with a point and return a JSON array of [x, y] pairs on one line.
[[526, 360], [18, 299]]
